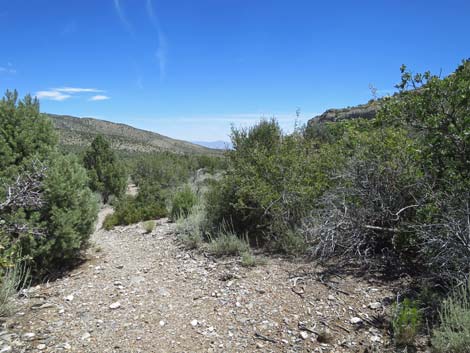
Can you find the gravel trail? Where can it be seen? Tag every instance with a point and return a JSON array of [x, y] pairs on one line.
[[144, 293]]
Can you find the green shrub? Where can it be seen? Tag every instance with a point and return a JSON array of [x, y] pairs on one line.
[[12, 279], [453, 333], [272, 182], [149, 226], [110, 222], [52, 215], [191, 241], [182, 203], [25, 134], [406, 323], [290, 243], [129, 211], [228, 244], [149, 204], [191, 228], [250, 260], [106, 175]]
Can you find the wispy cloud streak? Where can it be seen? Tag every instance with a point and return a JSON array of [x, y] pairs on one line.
[[52, 95], [161, 53], [77, 90], [99, 97], [122, 16], [64, 93]]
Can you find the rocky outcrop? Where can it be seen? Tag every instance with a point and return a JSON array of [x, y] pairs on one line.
[[367, 111]]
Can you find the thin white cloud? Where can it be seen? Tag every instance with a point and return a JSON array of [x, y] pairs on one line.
[[8, 69], [77, 90], [161, 53], [52, 95], [122, 16], [99, 97], [64, 93]]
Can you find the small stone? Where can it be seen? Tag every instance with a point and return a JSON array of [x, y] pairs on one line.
[[162, 323], [259, 345], [375, 305], [28, 336], [5, 349], [43, 306], [194, 323], [69, 298], [66, 346], [331, 297], [375, 339], [41, 346], [119, 267], [86, 336], [356, 320], [115, 305], [303, 335]]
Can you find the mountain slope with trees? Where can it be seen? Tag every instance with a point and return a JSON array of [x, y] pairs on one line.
[[77, 133]]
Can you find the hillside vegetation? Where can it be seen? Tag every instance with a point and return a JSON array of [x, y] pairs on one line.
[[77, 133], [385, 186]]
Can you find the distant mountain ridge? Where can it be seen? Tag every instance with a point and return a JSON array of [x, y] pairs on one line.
[[79, 132], [221, 145]]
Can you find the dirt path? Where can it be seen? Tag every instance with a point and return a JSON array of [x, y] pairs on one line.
[[144, 293]]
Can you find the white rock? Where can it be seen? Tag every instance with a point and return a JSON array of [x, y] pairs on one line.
[[375, 339], [194, 323], [41, 346], [5, 349], [162, 323], [28, 336], [115, 305], [303, 335], [356, 320], [375, 305], [69, 298], [330, 297], [86, 336]]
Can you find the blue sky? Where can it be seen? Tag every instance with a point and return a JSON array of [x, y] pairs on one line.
[[190, 68]]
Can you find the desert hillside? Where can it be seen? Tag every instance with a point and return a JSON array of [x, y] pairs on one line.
[[79, 132]]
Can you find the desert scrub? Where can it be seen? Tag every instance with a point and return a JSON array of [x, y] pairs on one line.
[[453, 334], [13, 278], [182, 203], [228, 244], [291, 243], [149, 226], [149, 204], [406, 323], [192, 241], [190, 229], [250, 260]]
